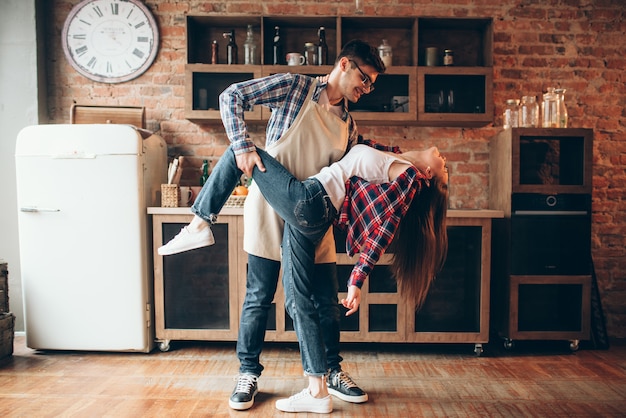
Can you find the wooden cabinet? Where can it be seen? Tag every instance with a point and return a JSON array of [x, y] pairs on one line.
[[408, 93], [542, 270], [199, 294], [196, 293]]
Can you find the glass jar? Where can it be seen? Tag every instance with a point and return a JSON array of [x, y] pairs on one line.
[[529, 112], [310, 56], [386, 53], [510, 116], [549, 109], [448, 57]]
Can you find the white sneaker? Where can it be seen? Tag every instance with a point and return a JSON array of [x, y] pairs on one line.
[[187, 240], [305, 402]]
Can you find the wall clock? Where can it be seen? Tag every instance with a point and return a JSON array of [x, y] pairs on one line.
[[110, 41]]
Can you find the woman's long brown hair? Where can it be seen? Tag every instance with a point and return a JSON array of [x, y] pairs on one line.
[[421, 242]]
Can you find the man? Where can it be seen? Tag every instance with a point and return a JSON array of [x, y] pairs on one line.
[[309, 128]]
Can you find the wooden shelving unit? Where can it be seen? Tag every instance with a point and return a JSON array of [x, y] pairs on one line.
[[408, 93]]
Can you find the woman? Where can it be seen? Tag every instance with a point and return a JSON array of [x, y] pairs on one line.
[[376, 196]]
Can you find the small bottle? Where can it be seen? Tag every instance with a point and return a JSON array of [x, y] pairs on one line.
[[448, 57], [510, 115], [277, 48], [249, 48], [562, 110], [322, 47], [231, 48], [205, 172], [386, 53], [215, 48]]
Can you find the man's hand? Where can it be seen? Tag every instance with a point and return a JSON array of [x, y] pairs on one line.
[[247, 161], [353, 300]]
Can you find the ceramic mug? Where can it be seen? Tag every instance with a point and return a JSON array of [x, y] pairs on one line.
[[195, 191], [185, 197], [295, 58]]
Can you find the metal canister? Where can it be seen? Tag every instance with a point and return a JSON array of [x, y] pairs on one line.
[[448, 57]]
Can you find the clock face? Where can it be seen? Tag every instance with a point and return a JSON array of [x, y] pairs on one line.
[[110, 41]]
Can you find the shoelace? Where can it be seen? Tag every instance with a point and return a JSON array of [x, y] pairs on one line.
[[245, 382], [303, 394], [343, 379]]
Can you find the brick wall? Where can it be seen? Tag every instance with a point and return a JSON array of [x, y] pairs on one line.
[[577, 44]]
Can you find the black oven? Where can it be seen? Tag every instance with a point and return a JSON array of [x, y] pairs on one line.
[[551, 234]]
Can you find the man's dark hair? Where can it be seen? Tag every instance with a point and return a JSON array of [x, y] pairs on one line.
[[363, 53]]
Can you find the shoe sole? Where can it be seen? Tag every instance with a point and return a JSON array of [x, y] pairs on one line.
[[352, 399], [242, 406], [182, 250], [312, 410]]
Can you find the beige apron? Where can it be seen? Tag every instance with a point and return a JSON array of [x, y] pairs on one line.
[[316, 139]]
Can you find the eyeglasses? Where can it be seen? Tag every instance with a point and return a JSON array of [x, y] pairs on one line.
[[366, 80]]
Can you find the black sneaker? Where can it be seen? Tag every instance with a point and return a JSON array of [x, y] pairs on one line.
[[244, 393], [341, 385]]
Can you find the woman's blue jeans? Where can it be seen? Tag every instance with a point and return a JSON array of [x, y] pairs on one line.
[[308, 213]]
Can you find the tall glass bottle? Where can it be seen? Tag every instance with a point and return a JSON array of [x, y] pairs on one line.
[[322, 47], [510, 116], [249, 48], [562, 110], [205, 172], [278, 57], [231, 48]]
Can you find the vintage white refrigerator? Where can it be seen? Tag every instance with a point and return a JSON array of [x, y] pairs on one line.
[[85, 242]]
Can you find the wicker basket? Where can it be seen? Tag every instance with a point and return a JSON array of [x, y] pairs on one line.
[[7, 321], [170, 195], [4, 288], [235, 201]]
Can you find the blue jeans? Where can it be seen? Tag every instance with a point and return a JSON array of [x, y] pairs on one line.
[[308, 213]]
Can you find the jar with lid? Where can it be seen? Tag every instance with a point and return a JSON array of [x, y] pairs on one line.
[[529, 112], [448, 57], [310, 56], [510, 116], [386, 53], [562, 110]]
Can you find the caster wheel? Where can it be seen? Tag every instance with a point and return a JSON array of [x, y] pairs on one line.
[[574, 345], [478, 350], [508, 344], [164, 346]]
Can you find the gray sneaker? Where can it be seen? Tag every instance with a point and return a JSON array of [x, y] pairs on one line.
[[341, 385], [244, 393]]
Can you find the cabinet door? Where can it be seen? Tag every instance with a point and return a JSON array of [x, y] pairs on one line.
[[196, 291], [457, 306]]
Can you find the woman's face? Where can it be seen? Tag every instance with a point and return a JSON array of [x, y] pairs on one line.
[[429, 161]]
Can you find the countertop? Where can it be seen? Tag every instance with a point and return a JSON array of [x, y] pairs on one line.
[[452, 213]]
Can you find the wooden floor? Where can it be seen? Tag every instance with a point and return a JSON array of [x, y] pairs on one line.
[[195, 379]]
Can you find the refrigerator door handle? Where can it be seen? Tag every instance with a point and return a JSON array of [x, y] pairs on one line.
[[36, 209]]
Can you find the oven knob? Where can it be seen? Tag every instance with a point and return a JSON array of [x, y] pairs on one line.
[[551, 201]]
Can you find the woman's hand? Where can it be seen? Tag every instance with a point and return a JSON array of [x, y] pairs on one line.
[[353, 300]]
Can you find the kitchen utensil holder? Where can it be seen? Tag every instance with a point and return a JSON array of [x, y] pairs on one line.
[[170, 195]]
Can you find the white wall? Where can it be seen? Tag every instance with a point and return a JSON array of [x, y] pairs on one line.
[[19, 106]]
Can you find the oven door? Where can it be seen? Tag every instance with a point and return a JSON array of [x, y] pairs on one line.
[[550, 242]]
